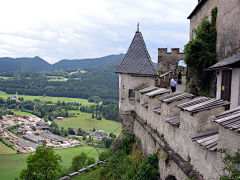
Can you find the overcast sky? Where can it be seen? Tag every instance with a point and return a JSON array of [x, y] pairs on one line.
[[77, 29]]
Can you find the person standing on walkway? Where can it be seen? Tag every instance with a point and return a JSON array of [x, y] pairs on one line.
[[173, 84], [192, 88]]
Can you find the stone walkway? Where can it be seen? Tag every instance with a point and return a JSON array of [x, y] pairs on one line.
[[180, 87]]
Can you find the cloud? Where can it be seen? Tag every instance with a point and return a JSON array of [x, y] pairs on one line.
[[48, 35], [34, 50], [80, 29], [63, 41]]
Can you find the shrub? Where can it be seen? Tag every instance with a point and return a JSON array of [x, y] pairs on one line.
[[90, 160], [127, 140], [230, 171], [105, 155]]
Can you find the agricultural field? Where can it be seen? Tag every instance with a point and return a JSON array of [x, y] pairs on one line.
[[20, 113], [83, 102], [12, 164], [56, 78], [85, 122]]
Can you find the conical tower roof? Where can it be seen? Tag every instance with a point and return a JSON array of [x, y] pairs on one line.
[[137, 59]]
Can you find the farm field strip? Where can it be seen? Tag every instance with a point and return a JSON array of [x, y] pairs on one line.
[[3, 77], [21, 113]]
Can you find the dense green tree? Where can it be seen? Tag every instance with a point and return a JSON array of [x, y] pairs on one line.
[[44, 164], [80, 132], [65, 132], [112, 135], [71, 131], [84, 137]]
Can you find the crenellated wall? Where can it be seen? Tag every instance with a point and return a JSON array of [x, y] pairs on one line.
[[204, 162]]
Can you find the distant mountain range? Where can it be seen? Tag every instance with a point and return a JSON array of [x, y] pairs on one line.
[[38, 64]]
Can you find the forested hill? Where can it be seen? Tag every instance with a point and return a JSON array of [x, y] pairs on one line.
[[21, 64], [38, 64], [99, 81], [78, 64]]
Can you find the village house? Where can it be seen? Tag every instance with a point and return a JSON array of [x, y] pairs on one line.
[[60, 118], [100, 134]]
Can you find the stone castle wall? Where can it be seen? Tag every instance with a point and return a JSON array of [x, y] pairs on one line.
[[228, 23], [149, 146], [207, 163]]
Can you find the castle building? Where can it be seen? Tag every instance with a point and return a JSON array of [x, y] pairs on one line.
[[186, 132]]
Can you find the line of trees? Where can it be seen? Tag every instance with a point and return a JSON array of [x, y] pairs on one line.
[[110, 111]]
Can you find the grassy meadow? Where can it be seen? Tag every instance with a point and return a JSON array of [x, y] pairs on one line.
[[85, 122], [20, 113], [83, 102], [25, 97], [3, 77], [6, 150], [12, 164]]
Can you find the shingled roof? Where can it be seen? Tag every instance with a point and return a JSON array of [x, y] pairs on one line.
[[137, 59], [226, 63]]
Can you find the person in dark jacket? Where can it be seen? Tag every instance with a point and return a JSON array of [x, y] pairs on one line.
[[192, 88]]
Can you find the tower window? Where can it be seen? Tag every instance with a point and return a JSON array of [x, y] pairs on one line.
[[131, 93]]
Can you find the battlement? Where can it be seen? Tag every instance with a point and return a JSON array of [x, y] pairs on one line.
[[167, 61], [173, 51]]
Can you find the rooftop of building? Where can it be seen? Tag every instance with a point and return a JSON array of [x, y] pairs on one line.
[[226, 63], [137, 59], [199, 5]]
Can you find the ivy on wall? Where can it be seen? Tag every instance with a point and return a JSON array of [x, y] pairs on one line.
[[201, 51]]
